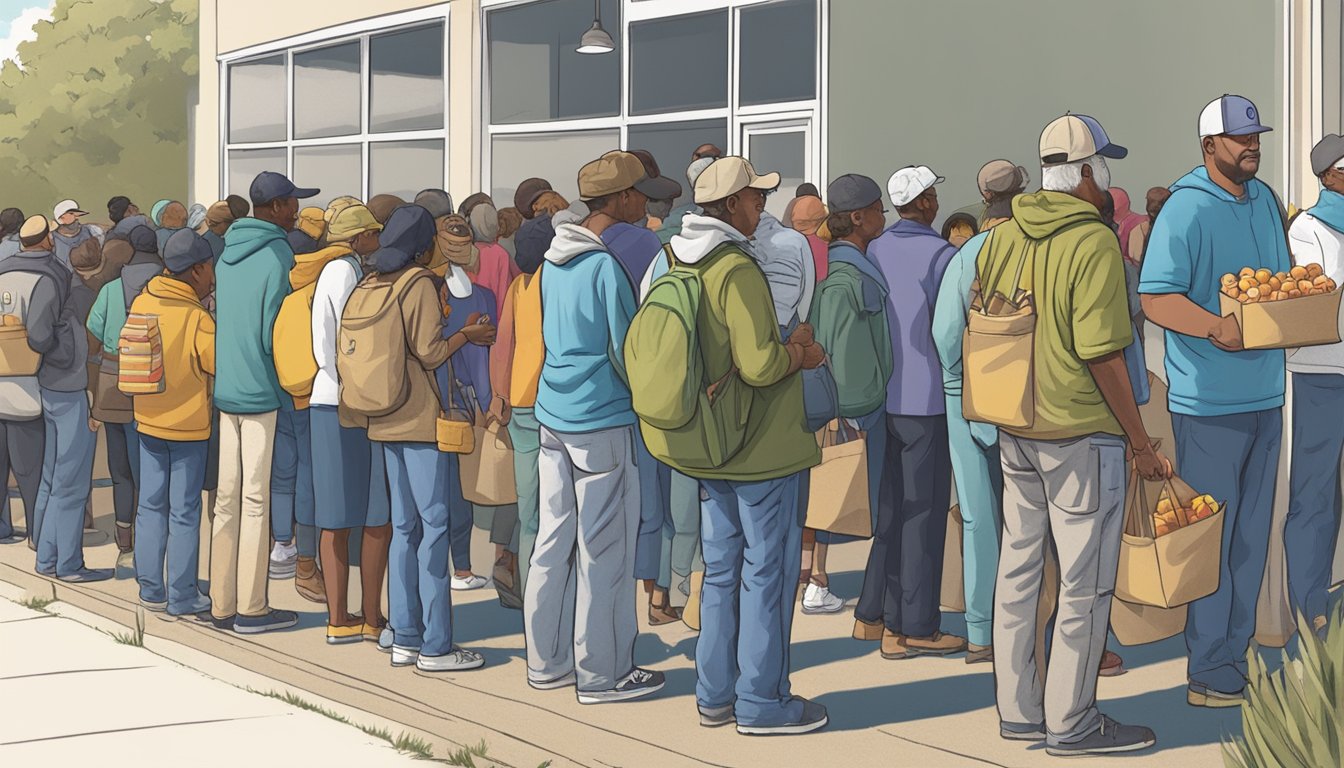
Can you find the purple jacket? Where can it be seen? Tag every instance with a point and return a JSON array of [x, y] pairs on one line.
[[913, 257], [634, 247]]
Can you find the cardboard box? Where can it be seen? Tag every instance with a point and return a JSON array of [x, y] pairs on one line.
[[1302, 322]]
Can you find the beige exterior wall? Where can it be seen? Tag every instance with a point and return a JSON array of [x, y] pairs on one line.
[[228, 26]]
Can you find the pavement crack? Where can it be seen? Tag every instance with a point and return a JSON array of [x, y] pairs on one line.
[[136, 728], [75, 672], [942, 749]]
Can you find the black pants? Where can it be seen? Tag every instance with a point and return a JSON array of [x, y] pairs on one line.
[[903, 581], [21, 447], [119, 470]]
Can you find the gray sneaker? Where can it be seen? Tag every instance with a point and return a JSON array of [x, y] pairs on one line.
[[814, 718], [638, 684], [456, 660], [1110, 738], [717, 717]]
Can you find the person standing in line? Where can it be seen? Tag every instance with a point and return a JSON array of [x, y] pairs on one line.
[[10, 221], [174, 431], [251, 281], [393, 320], [902, 583], [578, 609], [852, 324], [70, 232], [1226, 402], [41, 289], [1316, 237], [1064, 475]]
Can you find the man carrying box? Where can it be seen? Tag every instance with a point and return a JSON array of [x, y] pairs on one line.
[[1226, 403]]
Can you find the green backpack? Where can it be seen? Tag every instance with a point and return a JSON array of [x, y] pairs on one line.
[[687, 422]]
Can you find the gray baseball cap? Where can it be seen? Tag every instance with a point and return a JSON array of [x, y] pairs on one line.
[[1327, 152], [852, 192]]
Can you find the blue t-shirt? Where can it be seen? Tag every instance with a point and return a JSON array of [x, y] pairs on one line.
[[1203, 233]]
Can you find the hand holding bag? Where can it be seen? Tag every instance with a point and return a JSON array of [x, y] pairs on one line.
[[1173, 569], [487, 472]]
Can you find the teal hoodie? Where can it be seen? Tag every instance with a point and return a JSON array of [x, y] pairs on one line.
[[1203, 233], [251, 280]]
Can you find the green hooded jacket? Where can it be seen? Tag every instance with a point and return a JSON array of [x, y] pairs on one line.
[[850, 320], [1077, 275], [251, 281]]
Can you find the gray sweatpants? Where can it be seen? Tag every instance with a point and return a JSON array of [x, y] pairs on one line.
[[579, 608], [1071, 493]]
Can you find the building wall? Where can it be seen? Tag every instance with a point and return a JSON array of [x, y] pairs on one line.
[[231, 25], [956, 83]]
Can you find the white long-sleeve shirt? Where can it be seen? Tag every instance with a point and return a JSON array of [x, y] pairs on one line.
[[334, 286], [1312, 241], [786, 259]]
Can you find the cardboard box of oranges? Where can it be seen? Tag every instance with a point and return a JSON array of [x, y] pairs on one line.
[[1298, 308]]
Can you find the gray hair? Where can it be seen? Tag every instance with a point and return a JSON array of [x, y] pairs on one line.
[[1069, 176], [696, 168]]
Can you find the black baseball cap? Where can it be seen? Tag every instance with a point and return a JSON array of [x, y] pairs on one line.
[[269, 186], [852, 192]]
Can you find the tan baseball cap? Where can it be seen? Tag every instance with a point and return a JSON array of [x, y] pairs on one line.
[[33, 226], [999, 176], [351, 221], [727, 176], [1071, 138], [613, 172]]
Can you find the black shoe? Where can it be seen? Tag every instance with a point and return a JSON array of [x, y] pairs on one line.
[[814, 717], [267, 622], [86, 575], [223, 625], [1110, 738]]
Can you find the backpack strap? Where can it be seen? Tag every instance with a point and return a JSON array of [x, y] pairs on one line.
[[671, 257]]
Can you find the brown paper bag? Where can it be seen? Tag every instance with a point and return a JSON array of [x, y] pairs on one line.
[[1170, 570], [838, 498], [953, 596], [487, 473]]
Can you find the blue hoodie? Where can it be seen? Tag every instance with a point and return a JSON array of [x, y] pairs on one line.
[[251, 280], [586, 307], [1203, 233]]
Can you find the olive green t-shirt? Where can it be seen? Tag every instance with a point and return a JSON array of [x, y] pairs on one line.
[[1075, 271]]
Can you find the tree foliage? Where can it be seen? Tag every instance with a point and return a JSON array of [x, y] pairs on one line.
[[100, 106]]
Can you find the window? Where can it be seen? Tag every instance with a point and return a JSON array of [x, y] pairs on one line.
[[355, 114], [743, 75], [679, 63], [535, 72]]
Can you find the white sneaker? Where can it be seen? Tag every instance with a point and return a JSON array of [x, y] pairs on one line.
[[403, 656], [284, 561], [385, 640], [456, 660], [469, 583], [819, 599]]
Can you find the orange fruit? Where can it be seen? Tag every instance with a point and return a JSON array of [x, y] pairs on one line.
[[1275, 283], [1263, 275], [1298, 272], [1246, 272], [1246, 283], [1314, 271], [1329, 285], [1296, 293], [1228, 280], [1304, 285]]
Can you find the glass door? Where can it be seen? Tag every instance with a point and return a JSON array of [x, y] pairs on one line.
[[784, 147]]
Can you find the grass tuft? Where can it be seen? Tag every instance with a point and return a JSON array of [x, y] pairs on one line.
[[37, 603], [402, 742], [135, 637], [465, 757]]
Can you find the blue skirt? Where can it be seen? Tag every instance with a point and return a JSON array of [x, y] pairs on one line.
[[349, 476]]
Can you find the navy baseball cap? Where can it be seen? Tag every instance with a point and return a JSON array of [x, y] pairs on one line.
[[1230, 115], [184, 250], [270, 186], [852, 192]]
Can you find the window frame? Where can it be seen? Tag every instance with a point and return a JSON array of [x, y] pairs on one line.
[[358, 31], [735, 114]]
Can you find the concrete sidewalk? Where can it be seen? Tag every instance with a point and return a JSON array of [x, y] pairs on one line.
[[74, 695]]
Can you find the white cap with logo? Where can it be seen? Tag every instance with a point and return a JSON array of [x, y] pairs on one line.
[[910, 182]]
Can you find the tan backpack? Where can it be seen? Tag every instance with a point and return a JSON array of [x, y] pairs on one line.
[[371, 353]]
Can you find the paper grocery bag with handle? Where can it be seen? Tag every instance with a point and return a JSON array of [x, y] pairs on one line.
[[1169, 565], [998, 350], [838, 497], [953, 594], [487, 474]]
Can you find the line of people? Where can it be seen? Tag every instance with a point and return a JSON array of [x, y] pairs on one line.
[[662, 372]]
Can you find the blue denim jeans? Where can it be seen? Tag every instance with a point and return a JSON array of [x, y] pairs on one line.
[[21, 449], [168, 521], [461, 516], [752, 541], [420, 602], [1234, 458], [67, 479], [1313, 502], [292, 480]]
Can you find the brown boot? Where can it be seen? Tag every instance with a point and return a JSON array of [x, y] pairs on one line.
[[937, 644], [979, 654], [869, 633], [308, 581], [894, 646], [660, 609]]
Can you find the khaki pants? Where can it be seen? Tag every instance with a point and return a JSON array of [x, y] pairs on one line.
[[240, 542]]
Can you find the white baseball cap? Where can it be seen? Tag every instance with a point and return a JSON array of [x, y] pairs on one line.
[[68, 206], [1231, 115], [910, 182]]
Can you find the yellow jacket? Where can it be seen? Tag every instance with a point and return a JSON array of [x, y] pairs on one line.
[[181, 412]]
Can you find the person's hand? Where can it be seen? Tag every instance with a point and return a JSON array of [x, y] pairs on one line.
[[94, 424], [802, 335], [1226, 334], [479, 332], [1151, 464], [813, 356], [499, 412]]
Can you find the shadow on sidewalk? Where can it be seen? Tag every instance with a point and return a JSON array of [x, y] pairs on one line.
[[1176, 723], [863, 708]]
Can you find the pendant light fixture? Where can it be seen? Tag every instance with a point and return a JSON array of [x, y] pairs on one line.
[[596, 39]]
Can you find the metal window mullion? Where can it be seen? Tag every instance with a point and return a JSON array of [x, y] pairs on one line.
[[365, 114]]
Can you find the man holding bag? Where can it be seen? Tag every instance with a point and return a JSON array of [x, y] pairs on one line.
[[1063, 471]]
